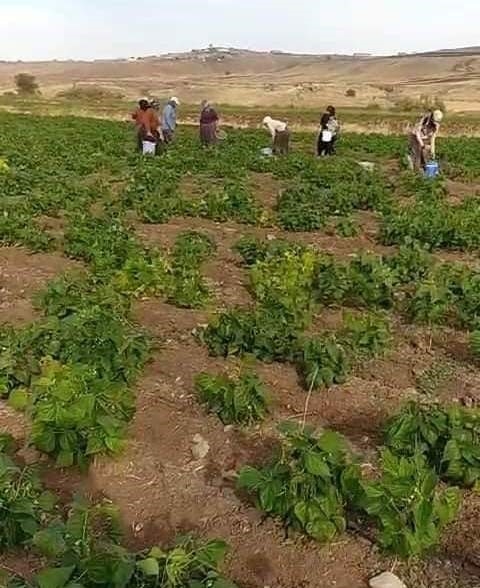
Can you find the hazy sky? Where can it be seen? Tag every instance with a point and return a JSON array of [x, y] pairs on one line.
[[87, 29]]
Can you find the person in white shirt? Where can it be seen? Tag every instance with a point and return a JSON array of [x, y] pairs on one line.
[[280, 135]]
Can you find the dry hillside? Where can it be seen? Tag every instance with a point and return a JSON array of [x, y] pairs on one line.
[[249, 78]]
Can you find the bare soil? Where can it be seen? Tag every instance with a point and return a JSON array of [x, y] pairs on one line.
[[163, 490]]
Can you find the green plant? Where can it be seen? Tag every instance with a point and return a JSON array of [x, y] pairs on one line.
[[322, 362], [299, 208], [75, 415], [253, 249], [24, 505], [267, 333], [284, 282], [408, 506], [302, 486], [188, 288], [366, 336], [241, 400], [371, 282], [412, 263], [449, 438], [346, 227], [104, 242]]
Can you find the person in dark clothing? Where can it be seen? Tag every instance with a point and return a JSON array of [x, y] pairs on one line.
[[208, 125], [328, 132]]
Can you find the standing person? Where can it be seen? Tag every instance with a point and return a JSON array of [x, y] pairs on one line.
[[422, 140], [280, 135], [328, 132], [169, 119], [208, 124], [147, 123]]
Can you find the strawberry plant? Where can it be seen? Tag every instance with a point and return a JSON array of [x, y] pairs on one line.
[[73, 292], [241, 400], [302, 485]]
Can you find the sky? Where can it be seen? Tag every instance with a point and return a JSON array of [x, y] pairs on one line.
[[96, 29]]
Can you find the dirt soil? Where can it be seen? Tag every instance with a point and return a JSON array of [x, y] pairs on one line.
[[248, 78], [163, 490]]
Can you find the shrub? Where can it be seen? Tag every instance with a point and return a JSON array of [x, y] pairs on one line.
[[26, 84], [351, 93]]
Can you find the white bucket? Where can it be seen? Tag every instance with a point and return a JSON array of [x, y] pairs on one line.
[[149, 147], [327, 136], [266, 152]]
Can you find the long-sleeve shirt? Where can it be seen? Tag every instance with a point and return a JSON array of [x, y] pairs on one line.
[[426, 133], [276, 126], [169, 118], [208, 116], [146, 120]]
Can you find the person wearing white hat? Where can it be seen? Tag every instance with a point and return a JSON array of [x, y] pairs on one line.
[[169, 119], [422, 140], [280, 135]]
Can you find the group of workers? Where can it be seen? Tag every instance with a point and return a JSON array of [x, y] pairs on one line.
[[159, 128]]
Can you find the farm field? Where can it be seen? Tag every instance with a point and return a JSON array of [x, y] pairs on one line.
[[278, 355]]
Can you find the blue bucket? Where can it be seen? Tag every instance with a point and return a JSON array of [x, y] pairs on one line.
[[432, 169]]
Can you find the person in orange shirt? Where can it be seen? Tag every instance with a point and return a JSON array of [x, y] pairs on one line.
[[147, 124]]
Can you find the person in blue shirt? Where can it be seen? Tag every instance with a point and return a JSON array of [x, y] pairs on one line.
[[169, 119]]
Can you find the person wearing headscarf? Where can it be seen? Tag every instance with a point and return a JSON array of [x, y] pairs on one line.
[[328, 132], [169, 119], [147, 123], [422, 140], [208, 124], [280, 135]]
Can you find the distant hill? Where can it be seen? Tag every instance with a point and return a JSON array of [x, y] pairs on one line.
[[237, 76]]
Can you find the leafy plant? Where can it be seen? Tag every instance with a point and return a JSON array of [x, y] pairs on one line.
[[302, 486], [323, 362], [366, 336], [449, 438], [252, 249], [240, 400], [408, 506], [24, 505], [269, 334], [188, 288], [75, 415], [285, 282]]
